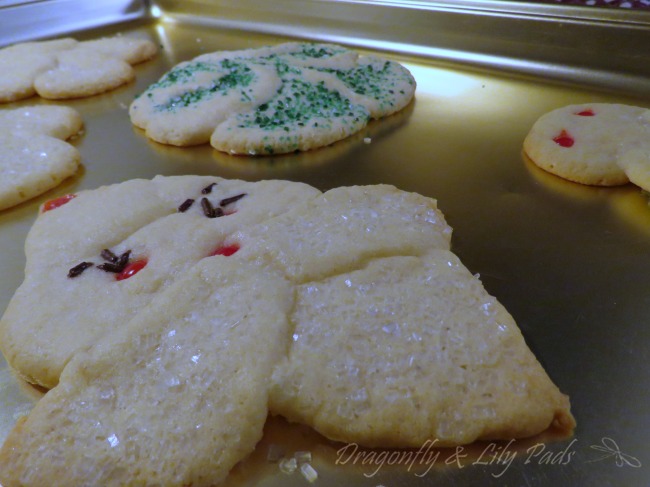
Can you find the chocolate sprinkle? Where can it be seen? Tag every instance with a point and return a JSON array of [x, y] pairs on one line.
[[232, 199], [109, 256], [209, 210], [185, 205], [114, 263], [79, 268], [208, 189], [124, 259], [109, 267], [118, 264]]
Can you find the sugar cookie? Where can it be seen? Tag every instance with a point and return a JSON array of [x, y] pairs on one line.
[[592, 143], [170, 330], [66, 68], [39, 343], [272, 100], [34, 156]]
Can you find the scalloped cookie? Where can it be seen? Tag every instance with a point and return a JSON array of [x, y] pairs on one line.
[[34, 156], [67, 68], [174, 313], [81, 73], [597, 144], [271, 100]]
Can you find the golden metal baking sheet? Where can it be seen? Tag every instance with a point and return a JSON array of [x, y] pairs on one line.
[[569, 262]]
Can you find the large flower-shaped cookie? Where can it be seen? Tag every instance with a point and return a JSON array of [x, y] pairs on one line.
[[175, 312]]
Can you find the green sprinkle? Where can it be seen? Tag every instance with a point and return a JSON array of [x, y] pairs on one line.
[[316, 101], [239, 75]]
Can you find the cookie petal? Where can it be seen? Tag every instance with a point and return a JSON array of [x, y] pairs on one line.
[[177, 396], [31, 165]]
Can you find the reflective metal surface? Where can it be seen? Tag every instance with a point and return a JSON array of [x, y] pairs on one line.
[[24, 20], [570, 262]]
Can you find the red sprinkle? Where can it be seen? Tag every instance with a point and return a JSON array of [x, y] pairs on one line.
[[564, 139], [226, 250], [131, 270], [586, 113], [56, 202]]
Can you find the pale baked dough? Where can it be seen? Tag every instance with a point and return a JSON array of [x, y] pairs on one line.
[[20, 64], [185, 106], [635, 158], [60, 122], [34, 156], [271, 100], [81, 73], [67, 68]]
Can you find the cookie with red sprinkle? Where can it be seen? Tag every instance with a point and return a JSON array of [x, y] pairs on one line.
[[597, 144], [174, 313], [96, 259]]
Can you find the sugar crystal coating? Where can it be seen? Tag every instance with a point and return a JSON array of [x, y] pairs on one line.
[[176, 397], [407, 349]]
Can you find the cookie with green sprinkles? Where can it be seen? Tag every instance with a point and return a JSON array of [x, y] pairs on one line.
[[385, 86], [272, 100], [310, 110], [293, 53], [186, 104]]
